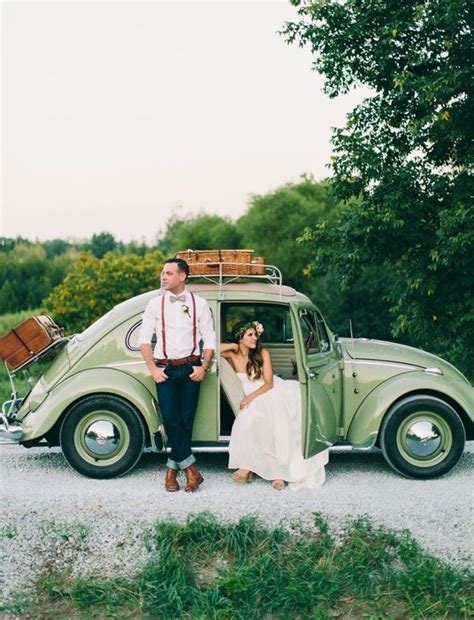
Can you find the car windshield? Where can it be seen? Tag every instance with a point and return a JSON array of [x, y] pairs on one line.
[[95, 327]]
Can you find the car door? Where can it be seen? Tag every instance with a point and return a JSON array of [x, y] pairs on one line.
[[206, 422], [320, 375]]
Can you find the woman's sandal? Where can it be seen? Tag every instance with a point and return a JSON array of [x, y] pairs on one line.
[[239, 478], [278, 485]]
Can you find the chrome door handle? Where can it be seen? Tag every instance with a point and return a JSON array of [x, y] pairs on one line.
[[313, 375]]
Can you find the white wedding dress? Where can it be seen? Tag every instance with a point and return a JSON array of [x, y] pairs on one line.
[[266, 436]]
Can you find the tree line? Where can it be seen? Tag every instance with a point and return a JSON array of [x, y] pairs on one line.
[[78, 282]]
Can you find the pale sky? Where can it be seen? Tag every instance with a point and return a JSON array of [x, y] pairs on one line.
[[115, 113]]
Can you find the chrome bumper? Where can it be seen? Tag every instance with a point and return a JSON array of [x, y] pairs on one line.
[[10, 432]]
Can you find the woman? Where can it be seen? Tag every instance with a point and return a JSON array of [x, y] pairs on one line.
[[266, 436]]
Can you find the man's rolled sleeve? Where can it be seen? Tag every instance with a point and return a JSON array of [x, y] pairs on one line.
[[206, 327], [148, 325]]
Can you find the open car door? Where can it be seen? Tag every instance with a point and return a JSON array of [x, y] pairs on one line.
[[320, 378]]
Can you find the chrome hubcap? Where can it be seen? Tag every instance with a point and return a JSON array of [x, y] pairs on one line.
[[423, 438], [102, 437]]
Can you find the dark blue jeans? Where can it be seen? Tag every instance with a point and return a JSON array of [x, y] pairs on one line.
[[178, 398]]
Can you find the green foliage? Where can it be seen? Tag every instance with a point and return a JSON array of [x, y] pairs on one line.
[[95, 285], [208, 569], [101, 243], [404, 154], [200, 232], [274, 221], [28, 273], [30, 270], [364, 302]]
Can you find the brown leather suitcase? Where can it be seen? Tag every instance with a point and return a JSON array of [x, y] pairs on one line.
[[29, 339]]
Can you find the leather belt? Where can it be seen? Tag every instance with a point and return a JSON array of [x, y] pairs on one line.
[[178, 362]]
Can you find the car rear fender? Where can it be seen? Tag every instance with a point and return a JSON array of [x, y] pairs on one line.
[[365, 424], [87, 383]]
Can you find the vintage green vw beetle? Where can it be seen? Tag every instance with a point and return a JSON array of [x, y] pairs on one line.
[[97, 401]]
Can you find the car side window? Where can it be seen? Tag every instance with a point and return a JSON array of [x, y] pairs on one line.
[[275, 318], [315, 335], [324, 340]]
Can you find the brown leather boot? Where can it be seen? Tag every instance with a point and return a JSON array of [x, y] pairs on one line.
[[193, 478], [171, 483]]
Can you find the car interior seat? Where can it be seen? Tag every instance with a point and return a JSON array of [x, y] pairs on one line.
[[231, 385]]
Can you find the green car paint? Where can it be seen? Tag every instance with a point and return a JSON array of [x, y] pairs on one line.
[[352, 389]]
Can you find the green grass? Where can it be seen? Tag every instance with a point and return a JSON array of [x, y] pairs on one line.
[[70, 532], [206, 569]]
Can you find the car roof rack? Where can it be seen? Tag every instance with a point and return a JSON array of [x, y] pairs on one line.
[[226, 273]]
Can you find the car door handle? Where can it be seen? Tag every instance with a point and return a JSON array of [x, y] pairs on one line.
[[313, 375]]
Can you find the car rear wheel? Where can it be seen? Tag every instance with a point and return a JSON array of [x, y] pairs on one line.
[[422, 437], [102, 437]]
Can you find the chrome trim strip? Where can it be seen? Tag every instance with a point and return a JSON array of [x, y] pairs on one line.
[[384, 363], [434, 371], [225, 448], [118, 364]]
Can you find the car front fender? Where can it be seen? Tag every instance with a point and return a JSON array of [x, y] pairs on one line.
[[365, 424], [87, 383]]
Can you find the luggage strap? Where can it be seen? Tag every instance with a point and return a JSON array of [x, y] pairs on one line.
[[23, 342]]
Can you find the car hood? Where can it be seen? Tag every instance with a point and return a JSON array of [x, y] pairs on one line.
[[362, 348]]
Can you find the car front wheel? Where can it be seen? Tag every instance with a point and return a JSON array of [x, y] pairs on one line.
[[422, 437], [102, 436]]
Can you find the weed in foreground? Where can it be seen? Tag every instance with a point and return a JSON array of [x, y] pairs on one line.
[[208, 569], [76, 533]]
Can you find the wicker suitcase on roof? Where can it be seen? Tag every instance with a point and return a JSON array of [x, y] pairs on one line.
[[208, 262], [29, 339]]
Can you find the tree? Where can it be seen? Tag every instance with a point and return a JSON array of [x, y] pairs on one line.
[[101, 243], [8, 299], [56, 247], [273, 222], [95, 285], [200, 232], [404, 154]]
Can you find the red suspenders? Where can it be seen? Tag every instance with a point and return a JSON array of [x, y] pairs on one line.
[[163, 335]]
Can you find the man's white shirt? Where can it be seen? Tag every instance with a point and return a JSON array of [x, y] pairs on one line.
[[178, 326]]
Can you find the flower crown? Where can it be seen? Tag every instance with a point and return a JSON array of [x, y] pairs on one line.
[[258, 327]]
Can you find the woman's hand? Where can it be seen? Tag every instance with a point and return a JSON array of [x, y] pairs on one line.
[[246, 400]]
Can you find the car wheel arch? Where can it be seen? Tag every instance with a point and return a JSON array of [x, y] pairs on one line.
[[90, 382], [74, 403], [462, 413], [364, 428]]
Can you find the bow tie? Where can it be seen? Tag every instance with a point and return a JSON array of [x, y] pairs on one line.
[[174, 298]]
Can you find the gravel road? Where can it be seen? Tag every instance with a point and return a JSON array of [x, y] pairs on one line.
[[52, 516]]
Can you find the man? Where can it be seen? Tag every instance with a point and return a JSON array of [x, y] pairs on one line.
[[180, 320]]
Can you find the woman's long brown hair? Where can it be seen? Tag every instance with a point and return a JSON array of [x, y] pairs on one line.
[[255, 363]]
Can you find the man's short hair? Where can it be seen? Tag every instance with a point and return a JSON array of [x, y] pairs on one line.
[[182, 265]]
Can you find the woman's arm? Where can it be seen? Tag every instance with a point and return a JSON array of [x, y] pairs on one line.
[[267, 372], [227, 348]]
